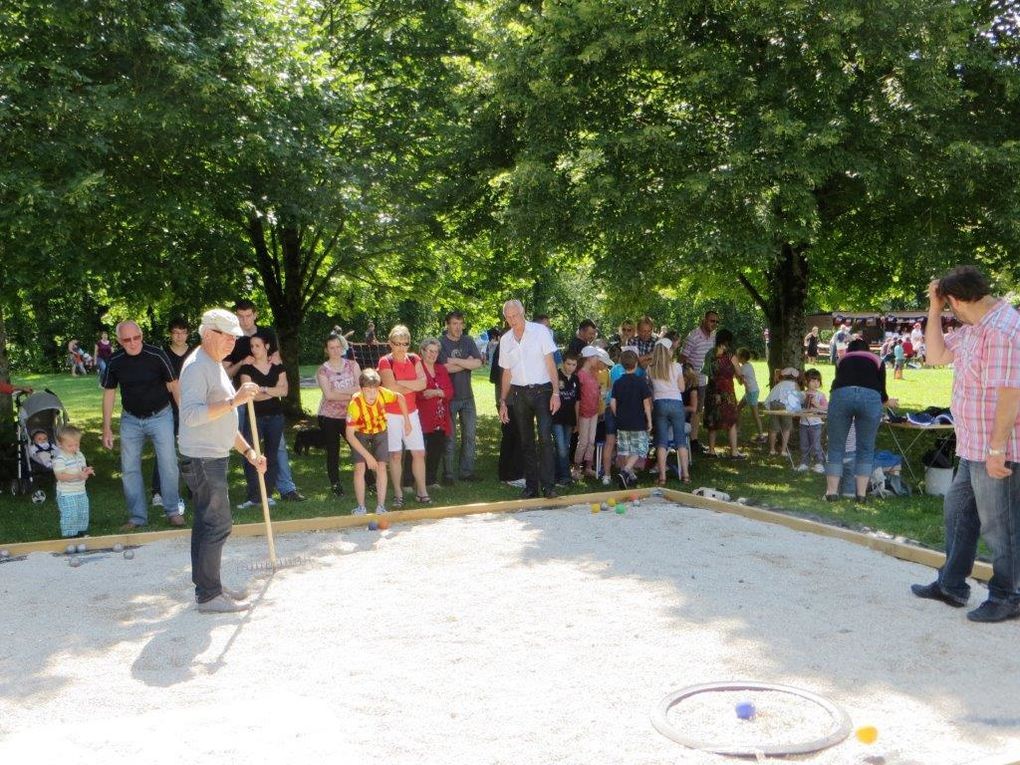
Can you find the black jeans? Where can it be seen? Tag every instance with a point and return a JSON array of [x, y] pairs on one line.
[[207, 479], [530, 408], [334, 431], [435, 450]]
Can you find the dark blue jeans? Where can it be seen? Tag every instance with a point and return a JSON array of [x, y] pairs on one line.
[[207, 479], [977, 505], [270, 432], [530, 407], [561, 437], [863, 407]]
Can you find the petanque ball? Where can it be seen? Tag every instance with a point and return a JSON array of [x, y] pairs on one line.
[[129, 554], [634, 497], [867, 734], [70, 549], [383, 524], [636, 503], [5, 554], [595, 507], [75, 562], [118, 547], [745, 710], [81, 548], [373, 526], [621, 509], [605, 505]]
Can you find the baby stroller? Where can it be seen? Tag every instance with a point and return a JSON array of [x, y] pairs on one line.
[[36, 411]]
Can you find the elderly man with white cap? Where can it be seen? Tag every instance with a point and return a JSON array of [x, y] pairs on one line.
[[209, 429]]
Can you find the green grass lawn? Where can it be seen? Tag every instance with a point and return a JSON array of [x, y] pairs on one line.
[[768, 481]]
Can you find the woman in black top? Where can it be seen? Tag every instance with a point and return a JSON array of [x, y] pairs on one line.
[[811, 345], [272, 381], [858, 395]]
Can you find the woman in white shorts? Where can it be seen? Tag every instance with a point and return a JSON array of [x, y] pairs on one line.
[[403, 372]]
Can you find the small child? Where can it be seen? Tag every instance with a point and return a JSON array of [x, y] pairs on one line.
[[71, 471], [811, 427], [564, 422], [593, 360], [41, 449], [747, 378], [631, 405], [366, 433], [787, 382], [899, 360]]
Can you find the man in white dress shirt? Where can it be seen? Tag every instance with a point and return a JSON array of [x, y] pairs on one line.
[[530, 384]]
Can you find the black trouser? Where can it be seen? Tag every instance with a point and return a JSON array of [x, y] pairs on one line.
[[333, 432], [531, 408], [207, 479], [435, 449]]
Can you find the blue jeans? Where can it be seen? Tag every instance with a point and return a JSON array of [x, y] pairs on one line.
[[863, 407], [270, 431], [977, 505], [669, 418], [530, 408], [207, 479], [561, 438], [159, 428], [284, 481], [465, 407]]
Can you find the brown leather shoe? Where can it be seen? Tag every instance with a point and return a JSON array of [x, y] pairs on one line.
[[131, 526], [175, 520]]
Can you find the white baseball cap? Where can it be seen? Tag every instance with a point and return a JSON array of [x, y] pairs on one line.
[[221, 320]]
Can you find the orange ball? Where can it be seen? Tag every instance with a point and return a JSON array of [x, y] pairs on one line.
[[384, 524]]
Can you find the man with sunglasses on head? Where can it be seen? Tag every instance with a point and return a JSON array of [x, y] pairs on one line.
[[147, 385], [696, 346]]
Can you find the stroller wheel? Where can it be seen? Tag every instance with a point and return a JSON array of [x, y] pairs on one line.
[[38, 496], [15, 486]]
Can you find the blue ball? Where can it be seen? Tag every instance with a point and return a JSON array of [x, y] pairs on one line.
[[373, 526], [745, 710]]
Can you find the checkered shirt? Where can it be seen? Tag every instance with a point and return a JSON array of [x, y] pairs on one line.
[[986, 358]]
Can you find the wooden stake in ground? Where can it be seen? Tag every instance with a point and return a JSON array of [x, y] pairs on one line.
[[273, 563]]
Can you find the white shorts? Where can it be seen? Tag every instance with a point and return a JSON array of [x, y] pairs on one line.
[[395, 433]]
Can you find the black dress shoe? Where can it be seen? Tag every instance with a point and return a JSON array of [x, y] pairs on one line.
[[550, 494], [529, 494], [471, 478], [934, 592]]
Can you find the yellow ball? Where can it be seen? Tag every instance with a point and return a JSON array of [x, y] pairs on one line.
[[595, 507], [867, 734]]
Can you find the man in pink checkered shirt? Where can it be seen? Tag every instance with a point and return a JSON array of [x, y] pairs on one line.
[[984, 499]]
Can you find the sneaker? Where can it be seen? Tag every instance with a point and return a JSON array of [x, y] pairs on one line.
[[934, 592], [550, 494], [802, 468], [606, 480], [337, 489], [518, 483], [820, 469], [994, 611], [175, 520], [379, 510], [241, 593], [221, 604], [359, 510], [291, 496], [157, 500], [248, 503], [624, 480]]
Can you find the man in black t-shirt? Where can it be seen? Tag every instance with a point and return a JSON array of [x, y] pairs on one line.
[[244, 309], [147, 386], [586, 334]]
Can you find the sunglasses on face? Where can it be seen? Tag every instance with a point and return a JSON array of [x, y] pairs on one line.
[[132, 339]]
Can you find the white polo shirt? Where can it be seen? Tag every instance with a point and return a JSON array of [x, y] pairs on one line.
[[525, 358]]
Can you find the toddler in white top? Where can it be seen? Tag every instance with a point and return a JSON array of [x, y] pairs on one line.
[[746, 377], [811, 426]]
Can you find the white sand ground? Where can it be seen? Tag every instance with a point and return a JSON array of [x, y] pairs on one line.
[[538, 637]]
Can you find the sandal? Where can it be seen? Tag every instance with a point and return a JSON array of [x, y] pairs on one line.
[[685, 479], [737, 456], [398, 500], [423, 499], [660, 481]]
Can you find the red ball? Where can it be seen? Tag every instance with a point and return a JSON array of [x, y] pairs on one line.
[[384, 524]]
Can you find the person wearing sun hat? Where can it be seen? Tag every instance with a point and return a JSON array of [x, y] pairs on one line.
[[209, 429]]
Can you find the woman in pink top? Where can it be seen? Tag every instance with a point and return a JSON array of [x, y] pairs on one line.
[[338, 381], [403, 372]]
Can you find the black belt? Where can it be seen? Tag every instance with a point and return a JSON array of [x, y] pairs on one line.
[[150, 414], [538, 386]]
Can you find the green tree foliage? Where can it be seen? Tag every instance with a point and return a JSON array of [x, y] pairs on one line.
[[780, 145]]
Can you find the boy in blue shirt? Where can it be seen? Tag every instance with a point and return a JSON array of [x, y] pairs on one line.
[[631, 405]]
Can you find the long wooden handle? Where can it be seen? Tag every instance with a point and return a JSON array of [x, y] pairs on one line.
[[262, 484]]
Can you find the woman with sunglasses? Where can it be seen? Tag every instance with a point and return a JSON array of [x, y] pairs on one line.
[[403, 372]]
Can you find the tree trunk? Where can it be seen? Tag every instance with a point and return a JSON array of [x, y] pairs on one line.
[[787, 284]]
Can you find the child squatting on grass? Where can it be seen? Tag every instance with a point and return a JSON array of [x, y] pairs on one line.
[[71, 471], [366, 433]]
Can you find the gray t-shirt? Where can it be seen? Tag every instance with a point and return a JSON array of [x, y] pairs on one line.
[[204, 382], [464, 348]]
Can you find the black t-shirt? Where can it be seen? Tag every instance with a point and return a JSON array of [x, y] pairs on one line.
[[176, 361], [630, 392], [142, 380], [569, 391], [242, 349], [862, 369], [270, 406], [575, 346]]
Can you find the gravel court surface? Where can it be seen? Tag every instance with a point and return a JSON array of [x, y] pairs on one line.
[[537, 637]]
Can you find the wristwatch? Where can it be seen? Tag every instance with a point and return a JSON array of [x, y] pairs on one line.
[[996, 452]]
